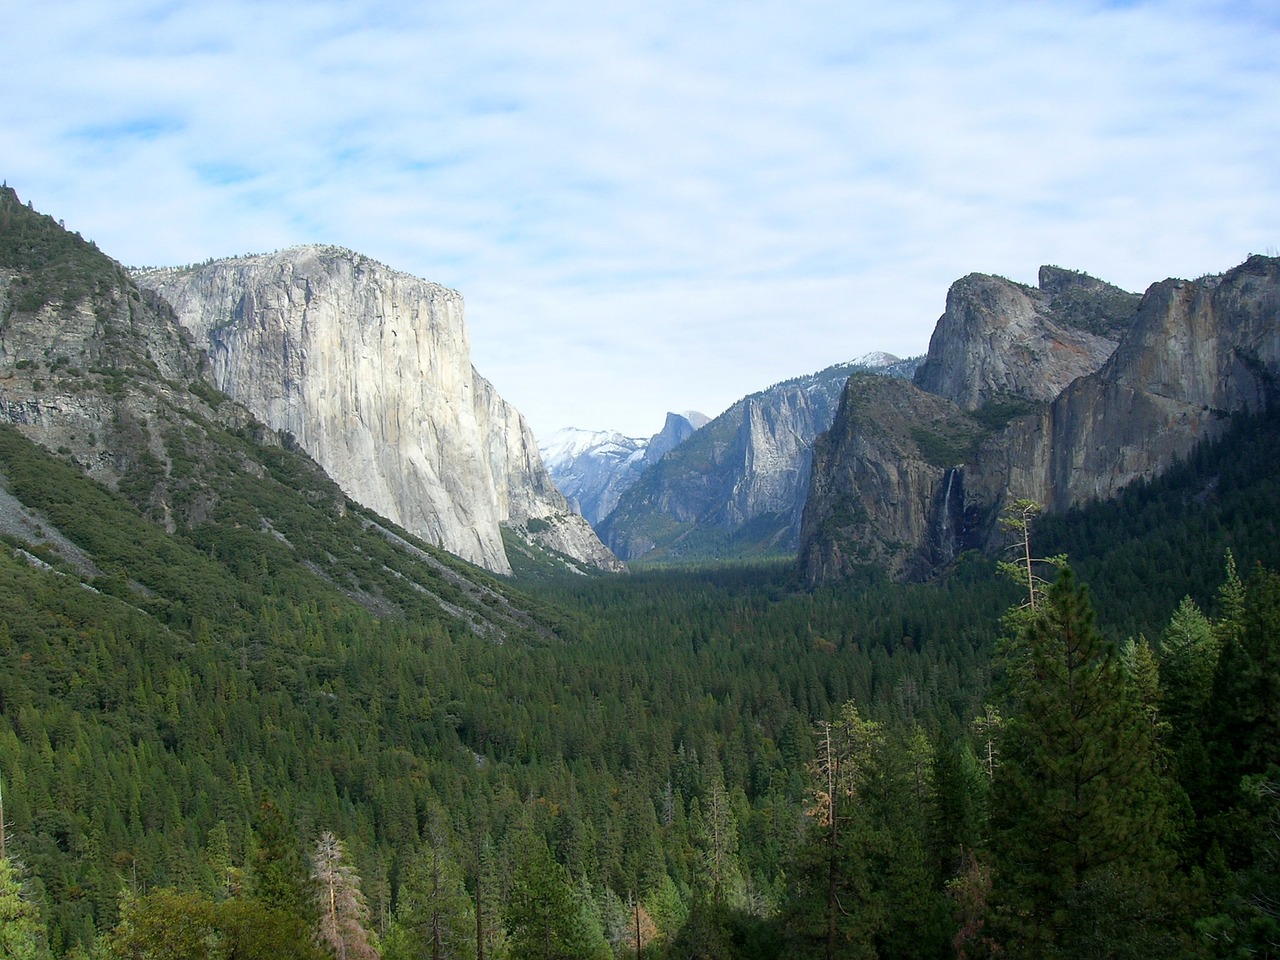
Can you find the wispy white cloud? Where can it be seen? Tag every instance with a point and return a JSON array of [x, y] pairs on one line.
[[660, 206]]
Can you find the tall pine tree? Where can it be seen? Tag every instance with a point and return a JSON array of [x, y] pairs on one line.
[[1079, 803]]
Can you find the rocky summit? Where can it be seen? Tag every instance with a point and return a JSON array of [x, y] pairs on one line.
[[999, 339], [369, 369], [1021, 397], [593, 468]]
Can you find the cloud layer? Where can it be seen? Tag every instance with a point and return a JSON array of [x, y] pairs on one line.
[[659, 206]]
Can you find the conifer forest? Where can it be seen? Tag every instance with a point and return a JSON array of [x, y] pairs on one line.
[[674, 763], [234, 740]]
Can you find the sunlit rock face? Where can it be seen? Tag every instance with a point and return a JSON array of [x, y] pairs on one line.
[[1196, 352], [904, 483], [370, 370], [1000, 340]]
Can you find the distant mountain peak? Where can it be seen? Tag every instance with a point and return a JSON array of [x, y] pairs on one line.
[[876, 359], [594, 468]]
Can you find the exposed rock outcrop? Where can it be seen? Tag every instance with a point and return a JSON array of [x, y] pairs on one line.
[[738, 486], [879, 496], [594, 468], [1195, 353], [370, 370], [676, 429], [1001, 340]]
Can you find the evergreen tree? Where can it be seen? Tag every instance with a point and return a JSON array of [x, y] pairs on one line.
[[1246, 744], [281, 879], [1247, 685], [434, 918], [1079, 804], [715, 831], [834, 911], [22, 934], [1188, 660], [164, 925], [546, 917]]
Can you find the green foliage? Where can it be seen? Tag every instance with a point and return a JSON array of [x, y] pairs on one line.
[[54, 266], [996, 414], [434, 915], [947, 444], [1078, 790], [1105, 312], [175, 925], [22, 934], [546, 916]]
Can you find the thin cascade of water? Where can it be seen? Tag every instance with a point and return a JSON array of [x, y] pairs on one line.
[[947, 514], [945, 519]]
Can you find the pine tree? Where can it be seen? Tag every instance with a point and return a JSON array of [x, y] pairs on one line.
[[1189, 652], [1079, 805], [342, 907], [281, 879], [546, 916], [834, 910], [434, 917], [716, 837], [22, 934], [1247, 686]]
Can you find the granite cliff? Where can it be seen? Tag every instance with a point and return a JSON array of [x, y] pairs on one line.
[[369, 370], [736, 487], [998, 339], [594, 468], [196, 502], [1192, 354]]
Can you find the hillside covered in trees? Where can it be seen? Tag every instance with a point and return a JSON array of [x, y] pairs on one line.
[[242, 717], [725, 763]]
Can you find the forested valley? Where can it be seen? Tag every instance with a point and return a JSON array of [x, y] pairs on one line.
[[674, 763], [243, 717]]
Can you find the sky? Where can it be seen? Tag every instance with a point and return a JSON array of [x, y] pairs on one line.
[[654, 206]]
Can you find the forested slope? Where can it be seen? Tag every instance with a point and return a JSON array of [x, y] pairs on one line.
[[240, 717], [665, 745]]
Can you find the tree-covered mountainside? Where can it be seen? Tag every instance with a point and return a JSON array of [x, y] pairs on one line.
[[241, 717]]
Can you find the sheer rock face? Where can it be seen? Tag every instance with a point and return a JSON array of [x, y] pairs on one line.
[[1000, 340], [370, 370], [874, 497], [1195, 353], [737, 485]]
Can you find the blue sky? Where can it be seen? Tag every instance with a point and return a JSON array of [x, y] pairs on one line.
[[654, 206]]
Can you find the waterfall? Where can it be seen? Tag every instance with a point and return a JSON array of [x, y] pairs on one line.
[[949, 528]]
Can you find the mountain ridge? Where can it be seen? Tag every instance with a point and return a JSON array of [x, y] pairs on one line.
[[594, 468], [369, 369], [1193, 353], [736, 488]]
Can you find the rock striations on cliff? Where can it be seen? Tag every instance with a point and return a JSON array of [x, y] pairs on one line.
[[736, 487], [369, 369], [1184, 360], [998, 339], [594, 468]]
